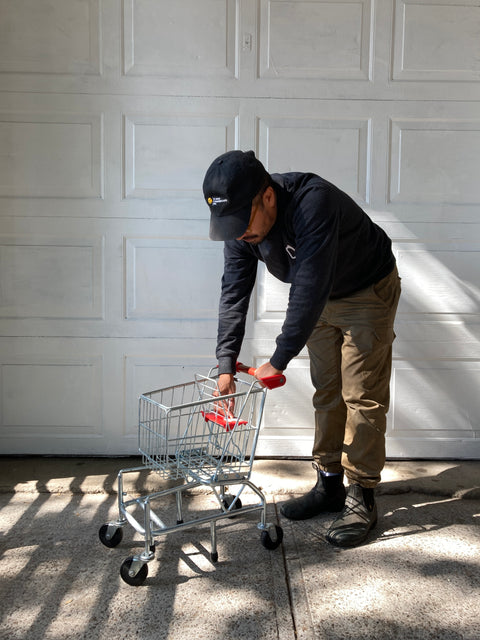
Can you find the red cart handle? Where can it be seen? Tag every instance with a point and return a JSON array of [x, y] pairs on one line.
[[271, 382]]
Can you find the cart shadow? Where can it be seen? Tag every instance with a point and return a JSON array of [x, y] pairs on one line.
[[58, 575], [186, 555]]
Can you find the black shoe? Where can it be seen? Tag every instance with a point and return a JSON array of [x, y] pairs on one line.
[[327, 495], [359, 515]]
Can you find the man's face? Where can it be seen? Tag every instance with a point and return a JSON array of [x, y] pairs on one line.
[[262, 217]]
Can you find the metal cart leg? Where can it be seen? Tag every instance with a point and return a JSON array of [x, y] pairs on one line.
[[178, 497], [121, 505], [134, 569], [111, 534], [213, 535], [149, 552]]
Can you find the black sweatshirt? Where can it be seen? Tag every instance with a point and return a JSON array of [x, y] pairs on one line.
[[322, 242]]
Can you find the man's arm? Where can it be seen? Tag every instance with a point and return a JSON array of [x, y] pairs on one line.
[[240, 269]]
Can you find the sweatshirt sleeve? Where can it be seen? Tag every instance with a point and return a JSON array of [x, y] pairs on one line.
[[315, 218], [240, 270]]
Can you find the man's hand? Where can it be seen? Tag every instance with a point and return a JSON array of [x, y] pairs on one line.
[[266, 370], [226, 386]]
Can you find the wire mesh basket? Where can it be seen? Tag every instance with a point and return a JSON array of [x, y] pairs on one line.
[[186, 431]]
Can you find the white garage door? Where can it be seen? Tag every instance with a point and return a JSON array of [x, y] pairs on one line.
[[111, 111]]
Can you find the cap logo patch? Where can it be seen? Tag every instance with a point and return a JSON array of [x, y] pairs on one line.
[[215, 201]]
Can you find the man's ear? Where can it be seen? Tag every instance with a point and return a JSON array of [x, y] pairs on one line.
[[269, 197]]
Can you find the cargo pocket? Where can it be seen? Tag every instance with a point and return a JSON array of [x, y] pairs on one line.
[[385, 335], [369, 339]]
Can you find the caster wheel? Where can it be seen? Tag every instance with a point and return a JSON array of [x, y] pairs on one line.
[[112, 540], [267, 541], [227, 501], [136, 580]]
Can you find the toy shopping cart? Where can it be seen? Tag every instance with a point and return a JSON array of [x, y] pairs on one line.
[[189, 433]]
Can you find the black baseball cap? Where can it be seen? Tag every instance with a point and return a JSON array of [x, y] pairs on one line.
[[231, 183]]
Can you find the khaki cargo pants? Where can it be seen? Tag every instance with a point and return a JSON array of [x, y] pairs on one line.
[[350, 363]]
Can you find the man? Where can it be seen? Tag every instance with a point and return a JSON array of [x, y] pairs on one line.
[[343, 298]]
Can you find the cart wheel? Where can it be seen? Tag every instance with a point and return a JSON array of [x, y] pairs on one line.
[[113, 540], [267, 541], [138, 578], [227, 501]]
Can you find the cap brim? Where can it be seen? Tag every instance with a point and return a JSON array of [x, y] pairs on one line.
[[230, 226]]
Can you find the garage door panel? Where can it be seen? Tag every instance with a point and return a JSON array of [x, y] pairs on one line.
[[73, 166], [330, 40], [430, 339], [156, 286], [442, 281], [51, 277], [197, 38], [73, 386], [443, 394], [436, 40], [435, 161], [436, 409], [33, 29]]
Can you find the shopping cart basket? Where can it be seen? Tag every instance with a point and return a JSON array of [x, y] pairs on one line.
[[188, 432]]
